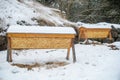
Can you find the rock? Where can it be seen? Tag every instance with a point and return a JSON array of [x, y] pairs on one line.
[[118, 39], [3, 43], [106, 40], [115, 33], [44, 22]]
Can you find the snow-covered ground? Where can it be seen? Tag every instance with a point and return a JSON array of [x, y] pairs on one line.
[[97, 62]]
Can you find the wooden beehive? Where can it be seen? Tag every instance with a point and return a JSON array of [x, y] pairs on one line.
[[27, 37], [94, 33]]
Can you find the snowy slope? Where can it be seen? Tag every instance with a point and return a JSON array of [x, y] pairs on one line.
[[28, 12], [13, 11], [93, 63]]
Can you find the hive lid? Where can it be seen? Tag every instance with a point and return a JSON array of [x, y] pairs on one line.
[[40, 29]]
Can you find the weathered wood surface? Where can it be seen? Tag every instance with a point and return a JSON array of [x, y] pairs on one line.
[[40, 43]]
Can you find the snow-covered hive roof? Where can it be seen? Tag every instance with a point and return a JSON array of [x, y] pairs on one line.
[[41, 30], [98, 25]]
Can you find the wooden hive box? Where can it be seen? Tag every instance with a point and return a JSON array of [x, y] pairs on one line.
[[94, 33], [39, 37]]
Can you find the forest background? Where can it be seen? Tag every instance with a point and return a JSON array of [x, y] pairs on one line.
[[89, 11]]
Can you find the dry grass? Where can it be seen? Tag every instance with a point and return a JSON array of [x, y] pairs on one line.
[[47, 65], [28, 66], [50, 65]]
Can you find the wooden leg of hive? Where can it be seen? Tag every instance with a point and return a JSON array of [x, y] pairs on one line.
[[9, 52], [79, 37], [73, 50], [86, 41], [110, 37], [68, 54], [9, 55]]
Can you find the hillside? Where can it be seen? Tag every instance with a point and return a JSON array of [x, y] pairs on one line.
[[28, 12]]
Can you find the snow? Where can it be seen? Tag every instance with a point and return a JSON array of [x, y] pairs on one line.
[[13, 11], [41, 30], [97, 62], [109, 24], [117, 44]]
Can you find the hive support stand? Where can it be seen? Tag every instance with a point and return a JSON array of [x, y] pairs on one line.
[[73, 51], [110, 37], [9, 51]]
